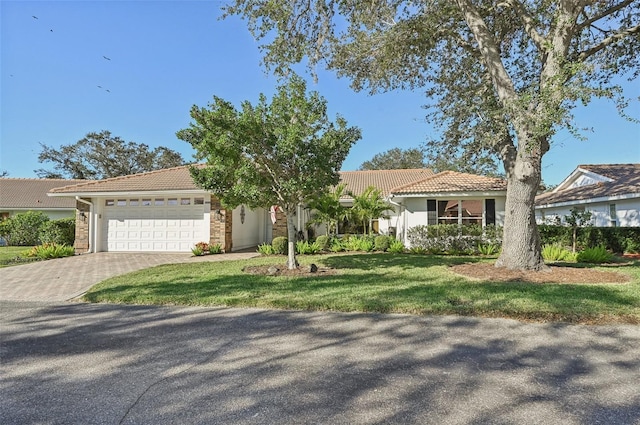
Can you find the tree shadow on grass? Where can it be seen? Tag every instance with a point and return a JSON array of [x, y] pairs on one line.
[[386, 260]]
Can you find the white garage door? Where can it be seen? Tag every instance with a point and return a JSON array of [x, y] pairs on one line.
[[153, 224]]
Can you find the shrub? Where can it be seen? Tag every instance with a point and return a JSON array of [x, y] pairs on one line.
[[366, 244], [197, 251], [488, 248], [23, 229], [451, 238], [265, 249], [381, 243], [557, 252], [595, 255], [323, 241], [631, 246], [215, 248], [306, 248], [50, 250], [279, 245], [396, 246], [61, 231], [336, 245]]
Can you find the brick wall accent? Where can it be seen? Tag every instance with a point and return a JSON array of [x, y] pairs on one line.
[[220, 229], [280, 226], [81, 243]]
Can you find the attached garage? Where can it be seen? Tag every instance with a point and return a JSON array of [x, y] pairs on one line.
[[158, 211], [169, 224]]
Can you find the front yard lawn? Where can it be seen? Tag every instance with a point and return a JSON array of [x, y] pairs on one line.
[[11, 255], [385, 283]]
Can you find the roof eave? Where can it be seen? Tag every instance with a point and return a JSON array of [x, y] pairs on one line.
[[469, 194], [588, 201], [128, 193]]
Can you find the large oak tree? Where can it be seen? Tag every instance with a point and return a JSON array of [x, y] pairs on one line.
[[502, 76], [282, 152], [101, 156]]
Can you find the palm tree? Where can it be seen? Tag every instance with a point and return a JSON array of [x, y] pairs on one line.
[[368, 206], [326, 209]]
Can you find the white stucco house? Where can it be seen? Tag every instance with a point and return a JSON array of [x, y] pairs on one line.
[[164, 211], [22, 195], [611, 192], [448, 198]]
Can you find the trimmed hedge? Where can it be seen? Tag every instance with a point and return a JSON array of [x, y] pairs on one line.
[[59, 232], [615, 239]]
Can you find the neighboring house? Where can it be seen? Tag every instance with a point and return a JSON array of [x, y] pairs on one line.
[[165, 211], [611, 192], [22, 195]]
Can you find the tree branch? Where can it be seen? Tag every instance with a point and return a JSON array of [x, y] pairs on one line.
[[604, 14], [529, 27], [489, 51], [607, 41]]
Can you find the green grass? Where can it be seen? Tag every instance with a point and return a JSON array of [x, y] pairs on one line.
[[12, 255], [376, 283]]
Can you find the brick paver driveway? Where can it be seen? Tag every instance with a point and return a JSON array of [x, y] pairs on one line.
[[66, 278]]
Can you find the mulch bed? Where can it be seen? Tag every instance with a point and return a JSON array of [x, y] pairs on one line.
[[282, 270], [555, 274]]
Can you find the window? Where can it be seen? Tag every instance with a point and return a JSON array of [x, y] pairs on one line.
[[109, 202], [185, 201], [490, 212], [172, 201], [121, 202], [198, 201], [146, 202], [134, 202], [613, 216], [159, 201], [432, 212], [471, 212], [460, 211]]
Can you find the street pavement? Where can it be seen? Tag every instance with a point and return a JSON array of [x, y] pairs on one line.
[[74, 363]]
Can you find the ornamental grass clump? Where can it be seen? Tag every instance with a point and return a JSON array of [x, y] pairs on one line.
[[595, 255], [396, 247], [557, 252], [265, 249], [48, 251]]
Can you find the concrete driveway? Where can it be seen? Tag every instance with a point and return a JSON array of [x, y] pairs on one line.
[[66, 278], [76, 363]]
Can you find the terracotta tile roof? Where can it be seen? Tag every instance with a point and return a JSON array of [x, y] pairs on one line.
[[626, 180], [451, 181], [385, 180], [177, 178], [32, 193]]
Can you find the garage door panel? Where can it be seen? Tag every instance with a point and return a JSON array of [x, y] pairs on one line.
[[171, 228]]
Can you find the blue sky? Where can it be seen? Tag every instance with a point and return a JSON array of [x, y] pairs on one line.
[[164, 57]]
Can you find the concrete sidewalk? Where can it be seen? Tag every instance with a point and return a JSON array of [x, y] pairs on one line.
[[66, 278]]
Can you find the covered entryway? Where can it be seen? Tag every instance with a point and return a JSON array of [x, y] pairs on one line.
[[166, 224]]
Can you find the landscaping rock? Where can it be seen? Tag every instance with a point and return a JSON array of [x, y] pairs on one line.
[[313, 268], [273, 270]]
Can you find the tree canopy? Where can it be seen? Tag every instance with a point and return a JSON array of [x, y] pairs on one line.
[[395, 158], [501, 76], [101, 155], [282, 152]]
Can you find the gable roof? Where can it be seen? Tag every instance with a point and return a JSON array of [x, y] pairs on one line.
[[32, 194], [168, 179], [384, 180], [619, 180], [451, 181]]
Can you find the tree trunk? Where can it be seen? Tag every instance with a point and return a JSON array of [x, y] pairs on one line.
[[292, 263], [521, 241]]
